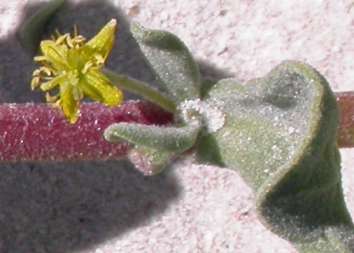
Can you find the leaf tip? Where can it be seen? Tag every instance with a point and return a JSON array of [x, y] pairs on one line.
[[110, 133]]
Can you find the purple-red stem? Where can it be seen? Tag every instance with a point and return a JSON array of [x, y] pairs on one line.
[[345, 101], [38, 132]]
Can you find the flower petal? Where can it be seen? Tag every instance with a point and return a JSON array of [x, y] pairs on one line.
[[55, 54], [68, 103], [52, 83], [98, 87], [90, 91], [102, 43]]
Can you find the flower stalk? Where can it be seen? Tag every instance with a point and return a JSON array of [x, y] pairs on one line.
[[142, 89]]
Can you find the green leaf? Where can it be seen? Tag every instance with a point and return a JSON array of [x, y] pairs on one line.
[[280, 135], [150, 161], [155, 147], [176, 139], [30, 33], [171, 61]]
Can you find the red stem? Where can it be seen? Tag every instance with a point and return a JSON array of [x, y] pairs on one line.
[[33, 132], [38, 132], [345, 101]]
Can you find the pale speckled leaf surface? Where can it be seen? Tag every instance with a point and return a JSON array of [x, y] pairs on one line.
[[171, 61], [154, 146], [280, 135], [150, 161], [155, 137]]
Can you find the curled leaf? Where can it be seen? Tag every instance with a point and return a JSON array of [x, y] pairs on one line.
[[171, 61], [161, 138], [30, 32], [280, 135], [150, 161], [154, 146]]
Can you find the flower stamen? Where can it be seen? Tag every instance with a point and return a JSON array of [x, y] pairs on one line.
[[73, 64]]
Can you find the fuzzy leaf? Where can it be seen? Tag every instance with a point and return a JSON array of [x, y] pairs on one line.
[[171, 61], [150, 161], [30, 32], [161, 138], [280, 134]]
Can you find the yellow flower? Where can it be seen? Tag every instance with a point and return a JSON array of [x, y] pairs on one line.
[[72, 67]]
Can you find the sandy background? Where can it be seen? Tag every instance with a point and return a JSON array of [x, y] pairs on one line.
[[109, 207]]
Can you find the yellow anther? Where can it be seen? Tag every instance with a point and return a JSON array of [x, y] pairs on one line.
[[51, 98], [73, 68], [40, 58], [62, 39], [36, 73], [35, 82], [46, 71], [69, 42]]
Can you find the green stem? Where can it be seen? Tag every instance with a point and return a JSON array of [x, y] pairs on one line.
[[142, 89]]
